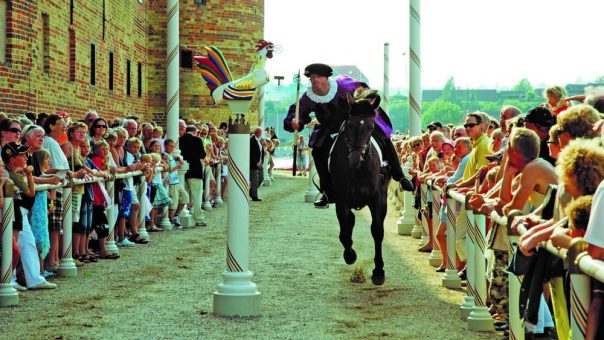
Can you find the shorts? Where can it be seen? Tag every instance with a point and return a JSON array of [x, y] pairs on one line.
[[178, 194], [85, 224], [55, 218], [134, 196], [125, 204]]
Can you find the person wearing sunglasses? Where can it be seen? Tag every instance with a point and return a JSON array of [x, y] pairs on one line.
[[89, 118], [98, 130], [10, 131]]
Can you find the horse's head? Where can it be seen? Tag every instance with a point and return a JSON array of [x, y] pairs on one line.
[[265, 48], [360, 124]]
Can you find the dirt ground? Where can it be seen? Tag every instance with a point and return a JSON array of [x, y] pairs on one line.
[[165, 289]]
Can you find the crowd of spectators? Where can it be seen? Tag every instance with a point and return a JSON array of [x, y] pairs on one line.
[[54, 148], [511, 164]]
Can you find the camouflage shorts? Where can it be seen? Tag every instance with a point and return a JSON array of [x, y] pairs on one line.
[[499, 286]]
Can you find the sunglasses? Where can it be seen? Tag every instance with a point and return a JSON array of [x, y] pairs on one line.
[[101, 126], [15, 130], [470, 125], [416, 145]]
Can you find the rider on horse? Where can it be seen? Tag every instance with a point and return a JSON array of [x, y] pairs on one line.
[[327, 98]]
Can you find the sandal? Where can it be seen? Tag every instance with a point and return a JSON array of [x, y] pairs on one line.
[[138, 239], [109, 256]]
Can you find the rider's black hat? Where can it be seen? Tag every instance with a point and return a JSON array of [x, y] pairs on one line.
[[318, 69]]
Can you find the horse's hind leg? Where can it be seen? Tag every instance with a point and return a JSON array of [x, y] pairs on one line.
[[378, 214], [346, 219]]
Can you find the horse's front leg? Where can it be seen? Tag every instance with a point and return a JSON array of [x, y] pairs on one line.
[[378, 214], [346, 219]]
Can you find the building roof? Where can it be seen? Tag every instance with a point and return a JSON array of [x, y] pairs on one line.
[[350, 70]]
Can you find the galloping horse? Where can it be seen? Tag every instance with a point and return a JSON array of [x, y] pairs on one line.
[[358, 179]]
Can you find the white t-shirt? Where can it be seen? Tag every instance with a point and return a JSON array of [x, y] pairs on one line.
[[595, 228], [57, 157], [129, 182]]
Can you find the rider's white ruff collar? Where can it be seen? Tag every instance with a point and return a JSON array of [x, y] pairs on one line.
[[333, 89]]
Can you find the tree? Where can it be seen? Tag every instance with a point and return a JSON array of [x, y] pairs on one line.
[[442, 111], [526, 88], [449, 91]]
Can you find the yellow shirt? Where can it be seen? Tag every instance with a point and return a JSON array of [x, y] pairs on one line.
[[477, 159]]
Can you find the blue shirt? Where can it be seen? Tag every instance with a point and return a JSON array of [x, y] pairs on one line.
[[460, 169]]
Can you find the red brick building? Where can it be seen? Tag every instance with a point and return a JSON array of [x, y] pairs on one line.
[[76, 55]]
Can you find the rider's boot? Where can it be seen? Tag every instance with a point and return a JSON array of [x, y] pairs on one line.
[[322, 202]]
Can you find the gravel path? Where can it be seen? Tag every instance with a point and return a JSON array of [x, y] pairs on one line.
[[164, 289]]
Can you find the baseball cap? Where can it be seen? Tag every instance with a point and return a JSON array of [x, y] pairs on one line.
[[435, 124], [13, 149]]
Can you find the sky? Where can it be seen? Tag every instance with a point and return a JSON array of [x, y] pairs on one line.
[[481, 43]]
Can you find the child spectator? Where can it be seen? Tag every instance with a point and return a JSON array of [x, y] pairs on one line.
[[556, 99], [129, 204], [177, 192], [15, 160], [101, 200], [39, 211]]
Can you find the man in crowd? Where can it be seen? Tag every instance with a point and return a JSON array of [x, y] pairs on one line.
[[255, 163], [192, 151]]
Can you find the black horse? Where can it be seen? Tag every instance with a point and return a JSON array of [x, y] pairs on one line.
[[358, 179]]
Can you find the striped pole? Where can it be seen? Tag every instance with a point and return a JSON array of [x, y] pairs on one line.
[[436, 257], [238, 295], [463, 221], [425, 236], [8, 293], [580, 290], [386, 92], [111, 216], [450, 278], [218, 200], [67, 266], [480, 319], [173, 58], [185, 217], [415, 83], [142, 193]]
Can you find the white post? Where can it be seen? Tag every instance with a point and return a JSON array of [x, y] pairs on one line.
[[218, 200], [142, 199], [312, 192], [8, 294], [67, 265], [415, 83], [386, 92], [436, 257], [463, 225], [514, 283], [173, 81], [165, 222], [580, 289], [238, 295], [480, 319], [450, 278], [185, 217], [206, 205], [425, 236], [111, 217]]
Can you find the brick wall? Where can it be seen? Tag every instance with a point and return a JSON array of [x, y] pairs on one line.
[[132, 31]]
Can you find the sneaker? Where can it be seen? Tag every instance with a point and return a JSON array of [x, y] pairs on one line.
[[176, 222], [48, 274], [44, 285], [19, 287], [200, 224]]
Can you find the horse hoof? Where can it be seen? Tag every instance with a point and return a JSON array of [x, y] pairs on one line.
[[378, 278], [350, 256]]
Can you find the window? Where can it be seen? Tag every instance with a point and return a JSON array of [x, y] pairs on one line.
[[71, 12], [45, 43], [72, 55], [3, 34], [128, 78], [186, 58], [92, 64], [139, 72], [110, 71]]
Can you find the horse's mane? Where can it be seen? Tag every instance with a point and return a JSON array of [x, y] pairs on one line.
[[364, 99]]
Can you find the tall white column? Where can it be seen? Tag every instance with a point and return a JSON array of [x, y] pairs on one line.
[[67, 265], [238, 295], [386, 92], [172, 90], [312, 192], [8, 293], [415, 83]]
